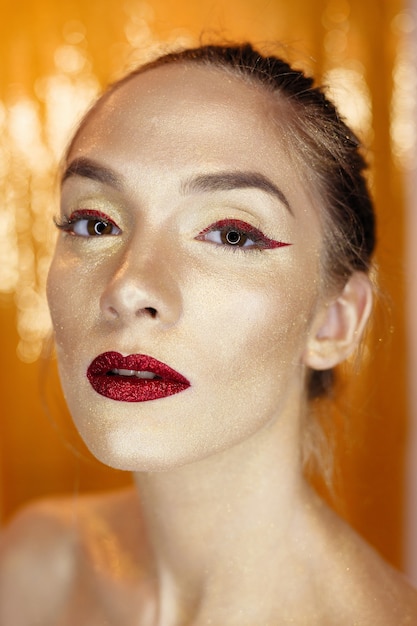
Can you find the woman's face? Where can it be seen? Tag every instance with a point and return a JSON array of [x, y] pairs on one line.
[[189, 244]]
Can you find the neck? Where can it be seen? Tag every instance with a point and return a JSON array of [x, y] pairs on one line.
[[214, 525]]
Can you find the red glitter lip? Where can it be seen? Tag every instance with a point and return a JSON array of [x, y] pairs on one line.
[[104, 378]]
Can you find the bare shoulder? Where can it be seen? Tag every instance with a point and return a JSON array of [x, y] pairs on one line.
[[363, 588], [385, 597], [52, 548], [37, 565]]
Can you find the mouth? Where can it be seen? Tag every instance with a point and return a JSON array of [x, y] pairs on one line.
[[134, 378]]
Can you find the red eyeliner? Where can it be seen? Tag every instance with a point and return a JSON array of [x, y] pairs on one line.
[[148, 378], [84, 213], [251, 232], [67, 223]]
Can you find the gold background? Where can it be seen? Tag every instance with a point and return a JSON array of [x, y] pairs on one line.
[[54, 57]]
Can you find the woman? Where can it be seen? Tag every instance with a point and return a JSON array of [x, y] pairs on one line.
[[212, 265]]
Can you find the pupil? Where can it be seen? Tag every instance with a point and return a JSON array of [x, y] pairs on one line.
[[233, 237], [100, 227]]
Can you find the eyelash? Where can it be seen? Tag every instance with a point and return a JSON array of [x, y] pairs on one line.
[[68, 224], [231, 233], [244, 232]]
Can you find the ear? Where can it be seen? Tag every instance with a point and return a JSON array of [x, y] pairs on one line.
[[339, 326]]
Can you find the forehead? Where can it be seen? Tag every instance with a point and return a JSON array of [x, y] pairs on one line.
[[171, 86], [188, 119], [183, 103]]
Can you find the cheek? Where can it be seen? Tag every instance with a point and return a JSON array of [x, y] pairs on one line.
[[54, 292], [71, 304], [262, 310], [253, 337]]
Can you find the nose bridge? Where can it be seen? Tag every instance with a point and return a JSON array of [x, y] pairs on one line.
[[142, 283]]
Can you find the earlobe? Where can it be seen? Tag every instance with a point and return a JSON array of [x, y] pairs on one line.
[[340, 325]]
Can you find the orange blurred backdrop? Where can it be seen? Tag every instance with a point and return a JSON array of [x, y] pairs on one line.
[[55, 56]]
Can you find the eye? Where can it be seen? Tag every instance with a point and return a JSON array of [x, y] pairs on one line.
[[238, 234], [88, 224]]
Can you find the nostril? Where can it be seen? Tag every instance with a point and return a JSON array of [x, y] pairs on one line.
[[113, 313], [151, 311]]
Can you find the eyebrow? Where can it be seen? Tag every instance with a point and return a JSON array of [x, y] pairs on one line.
[[227, 181], [216, 181], [88, 168]]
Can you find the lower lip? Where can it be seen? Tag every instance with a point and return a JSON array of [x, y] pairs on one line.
[[131, 388]]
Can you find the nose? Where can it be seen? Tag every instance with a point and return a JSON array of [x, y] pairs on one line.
[[142, 287]]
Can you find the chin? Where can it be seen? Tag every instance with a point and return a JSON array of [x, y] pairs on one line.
[[133, 454]]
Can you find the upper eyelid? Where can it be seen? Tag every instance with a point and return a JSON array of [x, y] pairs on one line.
[[237, 224], [83, 214]]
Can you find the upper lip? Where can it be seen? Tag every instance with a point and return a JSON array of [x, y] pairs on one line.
[[104, 363]]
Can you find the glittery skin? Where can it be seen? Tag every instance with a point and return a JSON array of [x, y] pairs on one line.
[[236, 322], [131, 388], [229, 533]]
